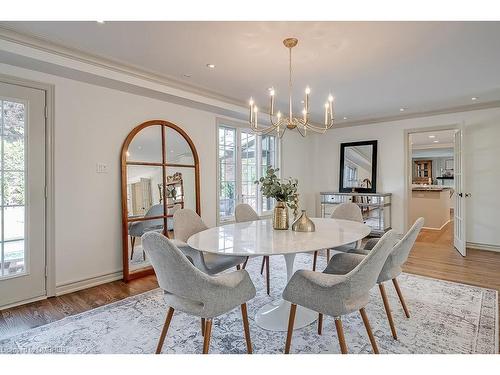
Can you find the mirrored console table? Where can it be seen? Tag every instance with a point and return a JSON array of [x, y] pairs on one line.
[[376, 208]]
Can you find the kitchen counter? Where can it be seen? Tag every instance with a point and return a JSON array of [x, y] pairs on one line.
[[430, 188], [431, 203]]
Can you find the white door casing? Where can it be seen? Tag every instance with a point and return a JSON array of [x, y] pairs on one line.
[[22, 275]]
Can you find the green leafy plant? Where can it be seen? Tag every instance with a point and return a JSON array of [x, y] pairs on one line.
[[282, 190]]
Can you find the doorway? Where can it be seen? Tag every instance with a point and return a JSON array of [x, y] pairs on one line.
[[435, 185], [22, 194]]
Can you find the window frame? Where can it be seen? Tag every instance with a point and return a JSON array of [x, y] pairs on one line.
[[241, 127]]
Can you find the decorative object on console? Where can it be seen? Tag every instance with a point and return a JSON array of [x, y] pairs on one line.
[[358, 167], [303, 223], [285, 193], [375, 207], [281, 123]]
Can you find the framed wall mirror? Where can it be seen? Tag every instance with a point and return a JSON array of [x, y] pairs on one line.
[[160, 174], [358, 167]]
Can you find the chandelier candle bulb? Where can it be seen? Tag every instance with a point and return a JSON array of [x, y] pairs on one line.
[[308, 91], [272, 102], [251, 111], [327, 105]]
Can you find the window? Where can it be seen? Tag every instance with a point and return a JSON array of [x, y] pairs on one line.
[[243, 158], [350, 175], [12, 197]]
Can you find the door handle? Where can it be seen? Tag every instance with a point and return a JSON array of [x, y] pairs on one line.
[[460, 195], [468, 195]]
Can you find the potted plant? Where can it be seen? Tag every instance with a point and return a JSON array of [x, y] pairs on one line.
[[285, 193]]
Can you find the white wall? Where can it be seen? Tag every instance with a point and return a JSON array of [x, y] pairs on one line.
[[91, 123], [482, 165]]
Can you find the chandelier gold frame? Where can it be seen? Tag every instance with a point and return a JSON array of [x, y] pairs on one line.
[[280, 123]]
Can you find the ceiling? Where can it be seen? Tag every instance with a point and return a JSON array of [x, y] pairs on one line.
[[373, 68], [435, 139]]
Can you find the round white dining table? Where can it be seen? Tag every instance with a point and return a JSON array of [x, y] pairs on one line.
[[258, 238]]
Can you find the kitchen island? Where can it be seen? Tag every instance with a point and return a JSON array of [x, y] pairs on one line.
[[433, 204]]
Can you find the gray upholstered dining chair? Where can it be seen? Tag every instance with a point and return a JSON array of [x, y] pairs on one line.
[[138, 228], [338, 295], [344, 211], [186, 223], [391, 270], [244, 212], [193, 292]]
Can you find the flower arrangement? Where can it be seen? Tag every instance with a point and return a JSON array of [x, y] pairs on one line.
[[282, 190]]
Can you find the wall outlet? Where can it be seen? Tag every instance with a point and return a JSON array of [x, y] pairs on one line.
[[101, 168]]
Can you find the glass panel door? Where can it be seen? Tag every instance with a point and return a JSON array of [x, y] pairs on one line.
[[248, 176], [227, 173], [22, 193]]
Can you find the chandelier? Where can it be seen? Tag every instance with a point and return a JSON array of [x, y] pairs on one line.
[[280, 123]]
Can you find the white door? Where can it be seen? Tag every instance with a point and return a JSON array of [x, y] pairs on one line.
[[459, 215], [22, 194]]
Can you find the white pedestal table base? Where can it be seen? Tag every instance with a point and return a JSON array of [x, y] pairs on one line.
[[274, 315]]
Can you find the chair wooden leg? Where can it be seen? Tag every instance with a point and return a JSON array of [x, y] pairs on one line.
[[388, 310], [369, 330], [245, 264], [143, 255], [208, 333], [238, 267], [164, 330], [268, 277], [246, 327], [203, 326], [327, 256], [320, 324], [291, 320], [400, 295], [132, 241], [340, 334], [263, 264], [315, 259]]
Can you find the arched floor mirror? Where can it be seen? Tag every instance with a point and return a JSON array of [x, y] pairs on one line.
[[160, 174]]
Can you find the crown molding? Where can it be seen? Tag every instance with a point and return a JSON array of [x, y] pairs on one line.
[[437, 112], [436, 146], [39, 43]]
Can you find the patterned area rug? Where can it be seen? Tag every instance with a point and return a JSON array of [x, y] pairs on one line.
[[446, 318]]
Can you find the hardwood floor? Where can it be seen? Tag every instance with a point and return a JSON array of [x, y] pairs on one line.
[[21, 318], [433, 255]]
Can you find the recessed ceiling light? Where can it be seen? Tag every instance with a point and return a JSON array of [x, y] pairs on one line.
[[302, 102], [211, 66], [436, 141], [187, 75], [432, 136], [345, 118], [100, 21], [402, 109], [474, 98]]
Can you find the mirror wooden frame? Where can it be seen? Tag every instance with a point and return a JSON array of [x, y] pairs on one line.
[[373, 189], [127, 275]]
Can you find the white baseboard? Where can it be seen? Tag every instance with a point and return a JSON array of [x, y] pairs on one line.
[[481, 246], [87, 283], [442, 226], [4, 307]]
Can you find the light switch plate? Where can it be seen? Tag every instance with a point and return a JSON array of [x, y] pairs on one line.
[[101, 168]]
